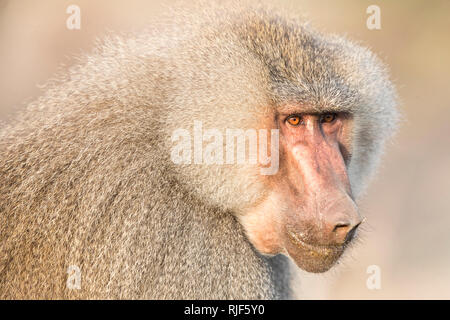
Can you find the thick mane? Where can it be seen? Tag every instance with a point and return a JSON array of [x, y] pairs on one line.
[[85, 173]]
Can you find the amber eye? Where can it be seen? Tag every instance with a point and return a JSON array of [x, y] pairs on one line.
[[328, 118], [294, 120]]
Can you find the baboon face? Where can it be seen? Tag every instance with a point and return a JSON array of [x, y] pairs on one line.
[[309, 213]]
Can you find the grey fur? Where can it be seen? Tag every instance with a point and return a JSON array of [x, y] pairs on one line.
[[85, 173]]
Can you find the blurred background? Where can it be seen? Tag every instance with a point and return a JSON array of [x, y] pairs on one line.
[[407, 232]]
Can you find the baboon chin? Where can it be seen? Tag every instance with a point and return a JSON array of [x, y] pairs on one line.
[[93, 178]]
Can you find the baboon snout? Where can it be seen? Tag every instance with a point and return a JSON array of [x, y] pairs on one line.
[[334, 226], [317, 241], [341, 232], [325, 212], [339, 222]]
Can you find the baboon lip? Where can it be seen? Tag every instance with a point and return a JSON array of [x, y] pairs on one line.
[[313, 258], [324, 250]]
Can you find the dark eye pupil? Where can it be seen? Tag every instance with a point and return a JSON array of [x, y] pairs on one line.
[[294, 120]]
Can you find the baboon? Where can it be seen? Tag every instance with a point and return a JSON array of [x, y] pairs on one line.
[[87, 179]]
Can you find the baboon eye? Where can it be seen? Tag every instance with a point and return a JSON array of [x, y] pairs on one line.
[[328, 117], [294, 120]]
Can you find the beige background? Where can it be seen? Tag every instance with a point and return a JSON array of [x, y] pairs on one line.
[[407, 233]]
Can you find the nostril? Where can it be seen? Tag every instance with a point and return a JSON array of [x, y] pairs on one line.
[[351, 233], [341, 226], [344, 232]]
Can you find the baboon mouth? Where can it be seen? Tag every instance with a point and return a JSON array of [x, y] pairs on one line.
[[316, 250], [311, 257]]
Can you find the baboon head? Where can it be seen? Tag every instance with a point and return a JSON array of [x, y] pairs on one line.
[[326, 107]]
